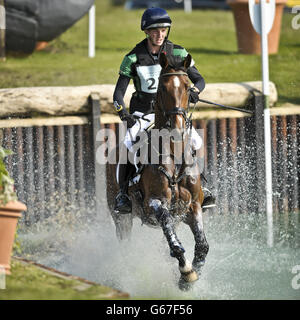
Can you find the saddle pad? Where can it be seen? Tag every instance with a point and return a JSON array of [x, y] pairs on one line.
[[140, 125], [143, 124]]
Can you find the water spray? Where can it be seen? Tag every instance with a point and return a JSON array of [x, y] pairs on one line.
[[262, 18]]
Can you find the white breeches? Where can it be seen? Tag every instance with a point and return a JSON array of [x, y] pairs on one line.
[[141, 125]]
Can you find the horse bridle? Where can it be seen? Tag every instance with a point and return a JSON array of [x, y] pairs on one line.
[[177, 110]]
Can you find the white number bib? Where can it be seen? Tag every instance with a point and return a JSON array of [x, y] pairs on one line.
[[149, 76]]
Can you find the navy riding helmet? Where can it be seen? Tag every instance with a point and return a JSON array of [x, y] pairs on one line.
[[155, 18]]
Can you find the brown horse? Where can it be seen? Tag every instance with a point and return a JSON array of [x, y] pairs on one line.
[[168, 192]]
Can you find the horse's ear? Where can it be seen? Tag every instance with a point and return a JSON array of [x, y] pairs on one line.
[[187, 61], [163, 61]]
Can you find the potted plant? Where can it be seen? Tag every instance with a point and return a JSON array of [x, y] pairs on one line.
[[247, 38], [10, 212]]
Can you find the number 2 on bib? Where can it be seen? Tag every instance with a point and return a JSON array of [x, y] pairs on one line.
[[149, 76], [152, 85]]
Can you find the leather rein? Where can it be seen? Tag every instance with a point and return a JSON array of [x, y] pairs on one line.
[[177, 110], [174, 180]]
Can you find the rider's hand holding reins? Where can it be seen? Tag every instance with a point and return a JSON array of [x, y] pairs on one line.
[[194, 95], [125, 116]]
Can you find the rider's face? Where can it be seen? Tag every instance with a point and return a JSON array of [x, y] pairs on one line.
[[157, 35]]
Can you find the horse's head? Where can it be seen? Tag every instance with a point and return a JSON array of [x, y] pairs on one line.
[[172, 94]]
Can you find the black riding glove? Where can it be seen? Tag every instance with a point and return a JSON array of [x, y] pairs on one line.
[[194, 95], [125, 116]]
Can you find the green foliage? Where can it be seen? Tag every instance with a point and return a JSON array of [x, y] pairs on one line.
[[7, 192], [17, 248]]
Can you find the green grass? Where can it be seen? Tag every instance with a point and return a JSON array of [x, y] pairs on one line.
[[209, 35], [28, 282]]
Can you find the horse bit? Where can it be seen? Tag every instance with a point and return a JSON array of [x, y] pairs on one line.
[[175, 111]]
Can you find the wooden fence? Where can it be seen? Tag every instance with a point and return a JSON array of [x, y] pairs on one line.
[[54, 162], [230, 159]]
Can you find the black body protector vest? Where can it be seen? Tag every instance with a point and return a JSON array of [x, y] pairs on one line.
[[146, 72]]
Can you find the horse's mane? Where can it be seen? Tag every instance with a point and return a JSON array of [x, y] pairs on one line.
[[176, 63]]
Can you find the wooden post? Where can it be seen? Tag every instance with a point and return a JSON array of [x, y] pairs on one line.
[[79, 167], [243, 183], [293, 167], [49, 167], [222, 147], [40, 179], [2, 30], [30, 190], [212, 160], [233, 166], [260, 151], [70, 165], [99, 176]]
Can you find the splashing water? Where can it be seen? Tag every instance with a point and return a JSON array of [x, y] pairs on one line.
[[239, 264]]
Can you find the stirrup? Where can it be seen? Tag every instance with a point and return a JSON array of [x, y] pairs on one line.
[[123, 203]]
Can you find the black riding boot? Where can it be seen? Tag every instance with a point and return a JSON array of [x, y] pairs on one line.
[[123, 202], [209, 200]]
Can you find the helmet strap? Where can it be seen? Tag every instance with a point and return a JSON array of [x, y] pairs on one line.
[[168, 33]]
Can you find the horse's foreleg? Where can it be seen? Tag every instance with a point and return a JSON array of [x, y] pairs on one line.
[[188, 275], [166, 221], [201, 245], [168, 227]]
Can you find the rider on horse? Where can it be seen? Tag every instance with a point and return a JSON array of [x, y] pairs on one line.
[[142, 65]]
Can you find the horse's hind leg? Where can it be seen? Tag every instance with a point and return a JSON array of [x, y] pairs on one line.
[[188, 275], [194, 220]]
